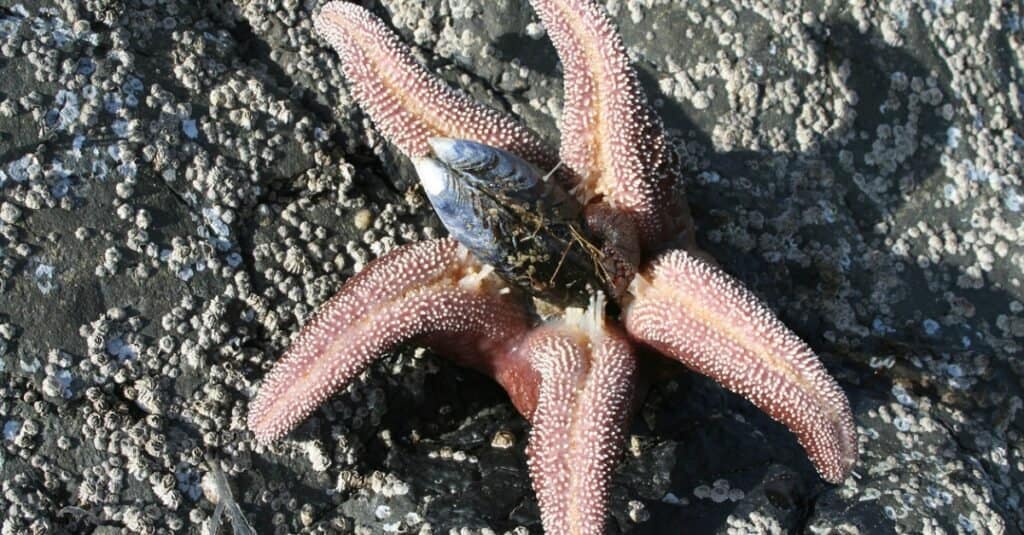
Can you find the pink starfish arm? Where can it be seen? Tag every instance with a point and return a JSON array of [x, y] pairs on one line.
[[689, 309], [574, 379], [611, 140], [407, 103], [433, 290], [587, 382]]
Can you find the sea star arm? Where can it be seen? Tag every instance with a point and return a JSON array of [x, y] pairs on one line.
[[407, 103], [611, 140], [573, 378], [587, 377], [691, 310], [433, 291]]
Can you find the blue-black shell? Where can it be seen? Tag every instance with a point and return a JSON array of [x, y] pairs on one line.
[[514, 218]]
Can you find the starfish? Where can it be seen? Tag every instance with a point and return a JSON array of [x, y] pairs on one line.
[[569, 363]]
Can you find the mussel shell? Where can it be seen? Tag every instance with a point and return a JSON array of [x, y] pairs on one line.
[[512, 217]]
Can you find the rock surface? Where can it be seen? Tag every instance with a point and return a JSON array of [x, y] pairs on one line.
[[181, 186]]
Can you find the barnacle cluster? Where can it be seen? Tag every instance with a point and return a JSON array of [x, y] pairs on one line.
[[180, 187]]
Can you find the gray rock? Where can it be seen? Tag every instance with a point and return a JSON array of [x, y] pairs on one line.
[[182, 186]]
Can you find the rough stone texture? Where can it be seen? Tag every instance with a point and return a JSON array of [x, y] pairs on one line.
[[181, 186]]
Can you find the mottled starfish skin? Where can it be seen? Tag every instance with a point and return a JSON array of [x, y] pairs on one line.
[[431, 288], [574, 379], [587, 382], [611, 139], [689, 309], [407, 103]]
